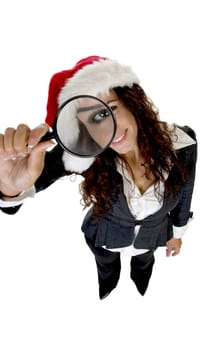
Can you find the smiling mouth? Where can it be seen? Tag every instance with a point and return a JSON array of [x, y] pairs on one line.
[[120, 138]]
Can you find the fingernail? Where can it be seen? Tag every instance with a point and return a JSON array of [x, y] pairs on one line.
[[29, 147], [43, 125]]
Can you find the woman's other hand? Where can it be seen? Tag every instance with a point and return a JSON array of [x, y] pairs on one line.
[[173, 247], [21, 158]]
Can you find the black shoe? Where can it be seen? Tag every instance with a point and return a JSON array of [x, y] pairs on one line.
[[104, 296], [141, 270], [141, 287], [106, 288]]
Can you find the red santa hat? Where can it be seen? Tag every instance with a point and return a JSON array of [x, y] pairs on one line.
[[92, 75]]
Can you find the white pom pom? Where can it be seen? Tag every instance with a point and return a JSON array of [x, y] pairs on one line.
[[75, 163]]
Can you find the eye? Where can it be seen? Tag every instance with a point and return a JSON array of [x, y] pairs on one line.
[[99, 116]]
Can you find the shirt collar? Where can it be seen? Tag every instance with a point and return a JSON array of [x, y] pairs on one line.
[[180, 138]]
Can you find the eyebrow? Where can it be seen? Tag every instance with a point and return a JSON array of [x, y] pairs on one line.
[[90, 108]]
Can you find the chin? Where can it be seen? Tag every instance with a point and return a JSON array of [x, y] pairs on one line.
[[122, 150]]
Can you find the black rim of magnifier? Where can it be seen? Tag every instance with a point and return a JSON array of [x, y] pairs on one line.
[[55, 133]]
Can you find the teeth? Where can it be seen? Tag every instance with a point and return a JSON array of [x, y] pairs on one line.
[[118, 139]]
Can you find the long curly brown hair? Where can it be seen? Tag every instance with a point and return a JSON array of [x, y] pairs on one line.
[[154, 141]]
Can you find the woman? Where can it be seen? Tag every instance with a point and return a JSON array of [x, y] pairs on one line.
[[139, 190]]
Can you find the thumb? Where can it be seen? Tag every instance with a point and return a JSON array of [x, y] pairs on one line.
[[37, 155]]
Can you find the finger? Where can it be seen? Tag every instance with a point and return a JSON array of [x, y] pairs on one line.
[[36, 134], [176, 251], [172, 250], [21, 139], [1, 145], [9, 141], [37, 156], [3, 154], [168, 251]]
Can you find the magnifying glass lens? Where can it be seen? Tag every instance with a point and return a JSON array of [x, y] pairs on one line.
[[85, 126]]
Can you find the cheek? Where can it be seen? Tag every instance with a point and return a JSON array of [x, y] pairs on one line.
[[125, 120], [133, 128]]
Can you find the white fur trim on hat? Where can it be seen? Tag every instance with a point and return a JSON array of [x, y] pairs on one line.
[[76, 164], [98, 78]]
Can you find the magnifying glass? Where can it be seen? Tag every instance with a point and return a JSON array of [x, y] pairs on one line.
[[84, 126]]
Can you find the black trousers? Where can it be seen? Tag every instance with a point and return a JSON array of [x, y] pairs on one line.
[[109, 266]]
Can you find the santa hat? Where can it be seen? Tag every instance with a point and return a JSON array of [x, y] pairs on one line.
[[92, 75]]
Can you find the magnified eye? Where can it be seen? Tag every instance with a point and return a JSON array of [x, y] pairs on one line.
[[99, 116]]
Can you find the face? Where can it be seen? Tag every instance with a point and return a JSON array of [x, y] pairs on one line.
[[125, 139], [97, 121]]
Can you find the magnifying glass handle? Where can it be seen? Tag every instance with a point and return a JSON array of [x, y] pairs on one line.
[[48, 136]]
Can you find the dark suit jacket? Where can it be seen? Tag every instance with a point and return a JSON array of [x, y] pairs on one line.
[[117, 228]]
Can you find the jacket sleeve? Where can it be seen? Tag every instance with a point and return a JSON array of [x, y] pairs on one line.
[[53, 170], [10, 210], [181, 213]]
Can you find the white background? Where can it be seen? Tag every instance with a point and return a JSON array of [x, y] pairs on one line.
[[48, 283]]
